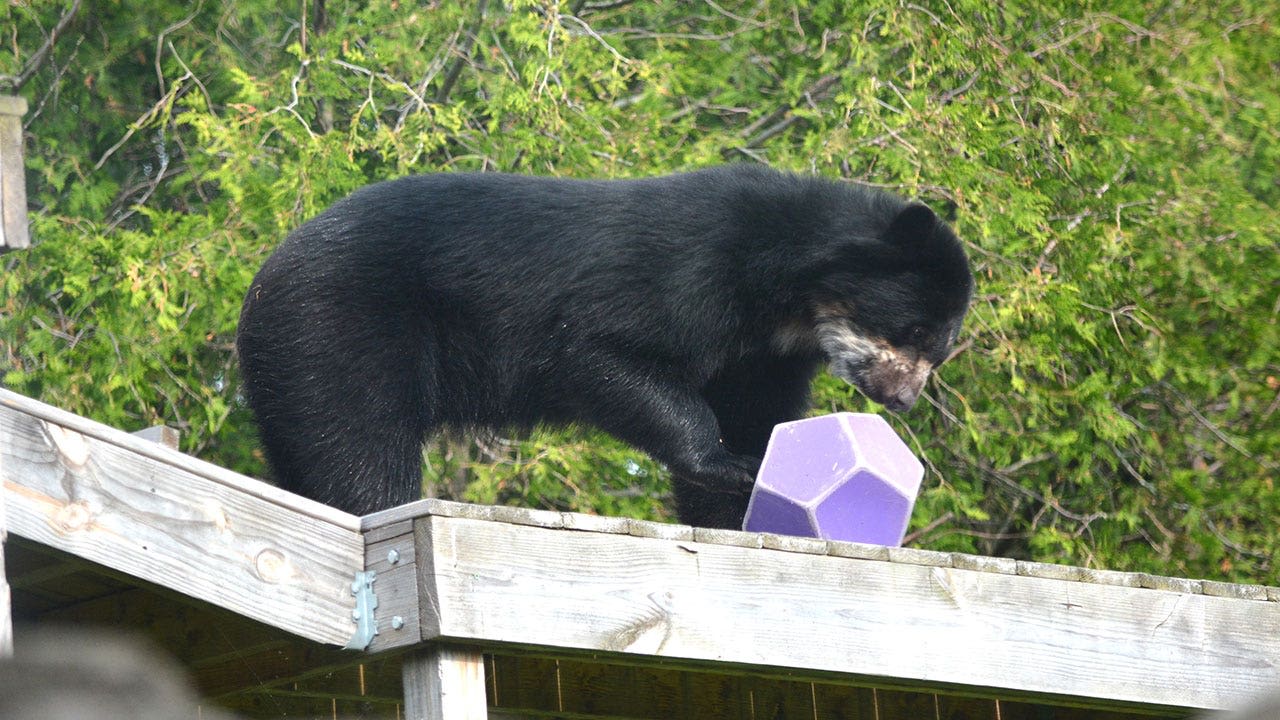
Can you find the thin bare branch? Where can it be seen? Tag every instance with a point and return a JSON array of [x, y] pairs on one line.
[[144, 119], [463, 54], [780, 119], [33, 63]]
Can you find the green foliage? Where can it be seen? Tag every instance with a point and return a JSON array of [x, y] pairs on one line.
[[1114, 401]]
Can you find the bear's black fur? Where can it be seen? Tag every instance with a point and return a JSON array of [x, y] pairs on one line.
[[685, 315]]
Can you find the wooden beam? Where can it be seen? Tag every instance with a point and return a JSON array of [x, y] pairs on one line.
[[162, 434], [908, 623], [390, 553], [6, 613], [444, 683], [149, 512], [154, 451], [13, 184]]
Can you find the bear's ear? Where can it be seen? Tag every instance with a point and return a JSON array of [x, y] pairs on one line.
[[914, 224]]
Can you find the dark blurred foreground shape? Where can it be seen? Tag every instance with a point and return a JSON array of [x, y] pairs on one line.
[[66, 674]]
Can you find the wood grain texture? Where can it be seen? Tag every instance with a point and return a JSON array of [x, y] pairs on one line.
[[675, 599], [151, 513], [444, 683], [6, 613], [13, 188], [390, 552], [195, 466], [161, 434]]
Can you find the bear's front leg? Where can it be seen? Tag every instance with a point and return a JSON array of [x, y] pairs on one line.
[[679, 429], [676, 426]]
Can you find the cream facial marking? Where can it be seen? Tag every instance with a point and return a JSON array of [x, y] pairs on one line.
[[891, 376]]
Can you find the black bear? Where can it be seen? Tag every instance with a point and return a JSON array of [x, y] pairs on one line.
[[685, 315]]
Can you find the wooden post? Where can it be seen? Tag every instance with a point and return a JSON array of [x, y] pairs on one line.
[[444, 683], [160, 434], [13, 187], [6, 620]]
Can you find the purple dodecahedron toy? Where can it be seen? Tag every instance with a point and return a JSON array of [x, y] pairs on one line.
[[846, 476]]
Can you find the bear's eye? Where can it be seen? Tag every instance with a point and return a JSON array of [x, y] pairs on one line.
[[917, 333]]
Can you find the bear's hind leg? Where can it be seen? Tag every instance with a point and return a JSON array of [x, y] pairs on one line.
[[342, 419]]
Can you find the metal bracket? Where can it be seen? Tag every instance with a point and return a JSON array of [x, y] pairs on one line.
[[363, 615]]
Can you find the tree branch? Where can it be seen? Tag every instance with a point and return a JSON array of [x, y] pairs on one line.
[[37, 59], [464, 52], [778, 120], [582, 5]]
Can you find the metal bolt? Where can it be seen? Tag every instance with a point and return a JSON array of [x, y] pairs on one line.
[[393, 556], [397, 622]]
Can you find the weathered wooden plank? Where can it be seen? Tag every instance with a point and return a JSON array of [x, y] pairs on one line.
[[444, 683], [146, 511], [195, 466], [162, 434], [917, 624], [13, 188], [390, 553], [6, 614]]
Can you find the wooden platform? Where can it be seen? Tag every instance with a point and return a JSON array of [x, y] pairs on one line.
[[520, 613]]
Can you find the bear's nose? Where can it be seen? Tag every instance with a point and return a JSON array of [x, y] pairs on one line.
[[903, 399]]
